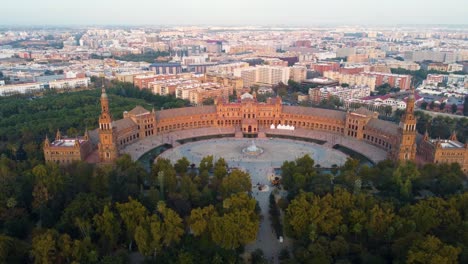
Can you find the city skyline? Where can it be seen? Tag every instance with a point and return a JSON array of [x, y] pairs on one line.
[[242, 12]]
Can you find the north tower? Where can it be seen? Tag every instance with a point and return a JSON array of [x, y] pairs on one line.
[[107, 147], [406, 150]]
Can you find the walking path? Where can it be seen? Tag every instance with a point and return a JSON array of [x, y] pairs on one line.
[[140, 147], [373, 153]]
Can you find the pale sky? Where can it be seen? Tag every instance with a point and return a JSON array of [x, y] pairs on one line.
[[232, 12]]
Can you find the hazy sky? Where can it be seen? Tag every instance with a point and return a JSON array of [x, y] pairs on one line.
[[237, 12]]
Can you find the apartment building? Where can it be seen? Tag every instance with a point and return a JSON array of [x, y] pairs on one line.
[[352, 79], [297, 73], [266, 75], [227, 68], [197, 92], [23, 88], [70, 83], [143, 81], [316, 95]]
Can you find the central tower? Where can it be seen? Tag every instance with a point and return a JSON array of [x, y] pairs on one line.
[[249, 123], [107, 147]]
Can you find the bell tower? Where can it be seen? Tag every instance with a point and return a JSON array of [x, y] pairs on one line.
[[406, 150], [107, 147]]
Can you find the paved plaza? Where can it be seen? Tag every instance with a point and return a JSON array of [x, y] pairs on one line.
[[275, 152], [140, 147], [373, 153]]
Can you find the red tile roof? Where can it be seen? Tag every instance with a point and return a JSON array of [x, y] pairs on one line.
[[312, 111], [185, 111]]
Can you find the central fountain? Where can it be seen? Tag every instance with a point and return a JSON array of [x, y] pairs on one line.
[[252, 150]]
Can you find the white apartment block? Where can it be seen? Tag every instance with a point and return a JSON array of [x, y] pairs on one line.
[[297, 73], [325, 55], [436, 56], [376, 104], [69, 83], [273, 75], [248, 75], [24, 88], [227, 68], [343, 93], [352, 79], [194, 59], [169, 86], [411, 66], [269, 75], [453, 67], [456, 78], [196, 92]]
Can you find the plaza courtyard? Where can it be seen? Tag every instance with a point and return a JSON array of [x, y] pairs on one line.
[[261, 169]]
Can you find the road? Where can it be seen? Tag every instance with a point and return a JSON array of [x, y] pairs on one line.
[[441, 114]]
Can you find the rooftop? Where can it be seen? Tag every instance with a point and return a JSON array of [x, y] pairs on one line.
[[185, 111], [383, 126], [67, 142], [311, 111], [138, 110], [446, 143], [246, 96], [122, 124]]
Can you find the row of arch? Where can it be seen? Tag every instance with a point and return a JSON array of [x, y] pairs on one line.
[[377, 141], [266, 123], [185, 125], [129, 139]]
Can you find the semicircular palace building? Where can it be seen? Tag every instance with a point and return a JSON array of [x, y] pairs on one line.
[[252, 118]]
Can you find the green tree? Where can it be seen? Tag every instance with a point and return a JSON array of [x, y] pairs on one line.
[[380, 223], [403, 178], [433, 215], [442, 106], [169, 183], [454, 108], [79, 213], [206, 163], [237, 181], [132, 214], [220, 169], [258, 257], [13, 250], [189, 190], [181, 166], [50, 247], [149, 56], [48, 183], [432, 250], [298, 174], [155, 233], [234, 229], [148, 236], [200, 219], [108, 228], [173, 228], [424, 105], [237, 225]]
